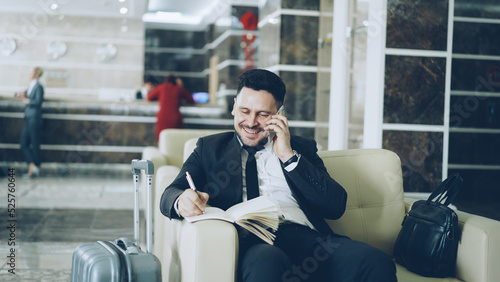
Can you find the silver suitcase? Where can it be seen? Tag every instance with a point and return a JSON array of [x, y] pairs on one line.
[[121, 260]]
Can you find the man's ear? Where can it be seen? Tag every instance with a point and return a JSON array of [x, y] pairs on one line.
[[234, 106]]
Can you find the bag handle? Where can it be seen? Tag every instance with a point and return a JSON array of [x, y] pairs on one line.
[[447, 190]]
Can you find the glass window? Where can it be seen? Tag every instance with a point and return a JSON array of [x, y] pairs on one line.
[[479, 193], [174, 62], [474, 148], [174, 38], [476, 38], [299, 44], [475, 112], [475, 75], [417, 24], [300, 101], [477, 9], [421, 155], [414, 90], [301, 4]]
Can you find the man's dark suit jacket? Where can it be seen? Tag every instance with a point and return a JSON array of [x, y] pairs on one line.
[[34, 108], [215, 166]]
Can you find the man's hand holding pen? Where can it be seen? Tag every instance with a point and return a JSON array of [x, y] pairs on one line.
[[192, 202]]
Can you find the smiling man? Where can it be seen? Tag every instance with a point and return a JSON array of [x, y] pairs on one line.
[[261, 159]]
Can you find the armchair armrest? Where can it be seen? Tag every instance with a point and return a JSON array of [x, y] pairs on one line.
[[163, 177], [153, 154], [207, 251], [478, 248], [408, 202]]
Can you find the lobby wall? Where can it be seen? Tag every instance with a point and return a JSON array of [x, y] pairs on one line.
[[90, 115], [79, 72]]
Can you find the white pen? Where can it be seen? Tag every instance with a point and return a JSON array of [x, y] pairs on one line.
[[190, 181]]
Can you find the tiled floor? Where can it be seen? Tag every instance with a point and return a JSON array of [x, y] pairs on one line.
[[55, 215]]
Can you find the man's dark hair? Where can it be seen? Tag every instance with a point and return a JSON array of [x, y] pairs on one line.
[[260, 79], [150, 79], [170, 78]]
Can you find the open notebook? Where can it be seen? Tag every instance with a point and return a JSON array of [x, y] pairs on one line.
[[257, 216]]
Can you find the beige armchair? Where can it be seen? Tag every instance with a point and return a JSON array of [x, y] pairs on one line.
[[167, 159], [170, 150], [207, 250]]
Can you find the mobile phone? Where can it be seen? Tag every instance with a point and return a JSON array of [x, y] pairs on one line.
[[270, 133]]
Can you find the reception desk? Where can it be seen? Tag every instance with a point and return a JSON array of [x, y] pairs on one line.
[[79, 134]]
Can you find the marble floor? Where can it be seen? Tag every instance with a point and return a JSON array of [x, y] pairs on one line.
[[53, 216]]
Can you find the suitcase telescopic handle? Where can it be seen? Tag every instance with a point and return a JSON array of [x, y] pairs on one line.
[[147, 166]]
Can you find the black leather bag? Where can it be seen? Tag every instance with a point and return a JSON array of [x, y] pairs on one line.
[[428, 241]]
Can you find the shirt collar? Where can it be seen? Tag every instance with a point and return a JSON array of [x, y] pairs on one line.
[[268, 146]]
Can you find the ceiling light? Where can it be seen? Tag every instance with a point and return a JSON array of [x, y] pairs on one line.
[[170, 17], [169, 14], [106, 52], [7, 46], [56, 49], [274, 20], [123, 10]]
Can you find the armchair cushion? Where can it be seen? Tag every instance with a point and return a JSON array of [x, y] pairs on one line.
[[171, 142], [374, 184]]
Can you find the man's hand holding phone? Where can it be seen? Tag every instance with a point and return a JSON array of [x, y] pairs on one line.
[[271, 133], [279, 125]]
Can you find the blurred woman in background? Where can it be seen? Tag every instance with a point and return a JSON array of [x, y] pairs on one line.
[[170, 95], [30, 136]]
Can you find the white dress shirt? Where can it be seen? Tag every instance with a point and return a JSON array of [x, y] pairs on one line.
[[30, 88], [273, 185]]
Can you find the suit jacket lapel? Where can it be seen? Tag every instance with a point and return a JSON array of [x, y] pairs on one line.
[[234, 154]]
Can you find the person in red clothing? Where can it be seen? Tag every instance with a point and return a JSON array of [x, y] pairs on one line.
[[170, 95]]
